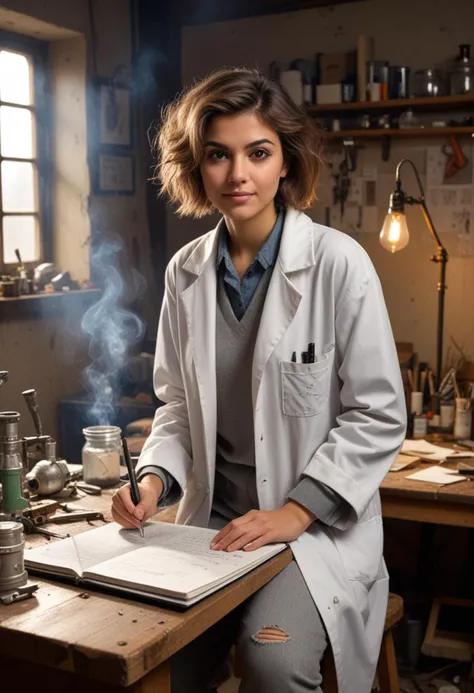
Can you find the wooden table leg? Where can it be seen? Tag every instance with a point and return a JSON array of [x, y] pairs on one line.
[[156, 681], [387, 665]]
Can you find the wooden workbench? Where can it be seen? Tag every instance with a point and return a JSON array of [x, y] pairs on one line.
[[82, 641], [420, 501]]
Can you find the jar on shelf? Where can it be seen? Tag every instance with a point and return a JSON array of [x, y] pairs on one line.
[[461, 77], [377, 80], [427, 83], [408, 119], [101, 455]]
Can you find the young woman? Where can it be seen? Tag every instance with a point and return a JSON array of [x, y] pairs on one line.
[[255, 439]]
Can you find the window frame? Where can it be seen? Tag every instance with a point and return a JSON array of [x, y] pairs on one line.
[[38, 52]]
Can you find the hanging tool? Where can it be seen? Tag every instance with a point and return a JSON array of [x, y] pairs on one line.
[[342, 185], [456, 160]]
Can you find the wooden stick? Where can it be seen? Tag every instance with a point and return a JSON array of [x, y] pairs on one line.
[[431, 383], [456, 388], [423, 380], [410, 378]]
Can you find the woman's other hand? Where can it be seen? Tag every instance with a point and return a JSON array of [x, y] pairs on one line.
[[259, 527]]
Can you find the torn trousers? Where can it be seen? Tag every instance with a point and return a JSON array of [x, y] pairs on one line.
[[290, 666]]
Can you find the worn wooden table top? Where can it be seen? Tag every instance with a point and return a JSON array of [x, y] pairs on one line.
[[109, 638], [397, 484], [421, 501]]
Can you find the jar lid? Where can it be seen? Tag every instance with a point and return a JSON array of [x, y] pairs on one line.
[[102, 434]]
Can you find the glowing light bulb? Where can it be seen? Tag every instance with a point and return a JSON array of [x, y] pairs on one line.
[[394, 234]]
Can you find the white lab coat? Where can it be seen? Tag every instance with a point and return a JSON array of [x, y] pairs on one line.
[[340, 420]]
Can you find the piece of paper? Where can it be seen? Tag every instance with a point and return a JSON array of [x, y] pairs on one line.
[[403, 461], [428, 451], [437, 475]]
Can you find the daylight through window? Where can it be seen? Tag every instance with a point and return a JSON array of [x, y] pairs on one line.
[[19, 205]]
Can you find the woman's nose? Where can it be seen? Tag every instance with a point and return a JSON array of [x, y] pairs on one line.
[[238, 171]]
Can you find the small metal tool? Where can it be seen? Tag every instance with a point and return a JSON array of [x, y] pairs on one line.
[[77, 517], [30, 528]]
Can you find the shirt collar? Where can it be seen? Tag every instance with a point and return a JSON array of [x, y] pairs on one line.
[[267, 254]]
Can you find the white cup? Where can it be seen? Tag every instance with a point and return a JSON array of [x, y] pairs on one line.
[[416, 403], [462, 420], [447, 415]]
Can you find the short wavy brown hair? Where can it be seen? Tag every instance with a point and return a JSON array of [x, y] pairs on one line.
[[179, 143]]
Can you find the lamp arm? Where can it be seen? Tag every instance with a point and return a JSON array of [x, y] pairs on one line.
[[442, 253], [415, 170]]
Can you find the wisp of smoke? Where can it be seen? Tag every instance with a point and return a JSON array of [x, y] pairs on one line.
[[113, 330]]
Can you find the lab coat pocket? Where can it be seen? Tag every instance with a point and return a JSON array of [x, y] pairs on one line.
[[360, 549], [305, 386]]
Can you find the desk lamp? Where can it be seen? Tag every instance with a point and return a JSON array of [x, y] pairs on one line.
[[394, 236]]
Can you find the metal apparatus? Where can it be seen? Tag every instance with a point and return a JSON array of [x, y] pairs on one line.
[[48, 476], [19, 454], [11, 464], [14, 585]]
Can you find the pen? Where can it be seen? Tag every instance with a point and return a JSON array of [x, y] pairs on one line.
[[311, 352], [134, 492]]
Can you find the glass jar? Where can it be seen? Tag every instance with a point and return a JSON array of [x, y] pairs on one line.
[[408, 120], [101, 455], [427, 83], [461, 77]]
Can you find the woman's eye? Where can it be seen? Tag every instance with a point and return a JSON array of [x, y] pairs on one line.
[[259, 154], [217, 156]]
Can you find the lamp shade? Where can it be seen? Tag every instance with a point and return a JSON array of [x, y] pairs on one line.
[[394, 234]]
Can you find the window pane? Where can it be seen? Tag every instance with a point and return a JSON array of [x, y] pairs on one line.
[[21, 233], [15, 78], [18, 187], [16, 132]]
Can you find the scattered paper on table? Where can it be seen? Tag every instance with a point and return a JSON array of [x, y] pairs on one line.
[[437, 475], [428, 451], [403, 461]]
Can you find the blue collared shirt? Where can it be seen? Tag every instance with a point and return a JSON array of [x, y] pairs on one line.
[[240, 292]]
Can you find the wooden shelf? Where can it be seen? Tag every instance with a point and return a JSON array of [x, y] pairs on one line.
[[46, 305], [398, 132], [435, 103]]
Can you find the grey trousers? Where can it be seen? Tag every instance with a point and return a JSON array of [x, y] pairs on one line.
[[291, 666]]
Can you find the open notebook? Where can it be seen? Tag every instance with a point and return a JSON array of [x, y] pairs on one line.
[[173, 563]]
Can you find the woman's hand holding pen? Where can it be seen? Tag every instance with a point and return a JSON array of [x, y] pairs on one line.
[[259, 527], [128, 515]]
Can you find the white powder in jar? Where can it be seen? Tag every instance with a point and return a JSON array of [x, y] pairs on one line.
[[101, 468]]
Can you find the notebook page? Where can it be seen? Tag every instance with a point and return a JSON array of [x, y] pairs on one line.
[[79, 553], [181, 565]]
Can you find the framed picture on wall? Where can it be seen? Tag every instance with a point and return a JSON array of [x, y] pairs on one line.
[[115, 116], [115, 174]]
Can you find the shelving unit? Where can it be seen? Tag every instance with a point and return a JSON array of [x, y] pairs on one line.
[[374, 133], [434, 103], [440, 104]]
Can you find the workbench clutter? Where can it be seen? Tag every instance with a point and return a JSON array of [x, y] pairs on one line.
[[34, 484], [29, 280]]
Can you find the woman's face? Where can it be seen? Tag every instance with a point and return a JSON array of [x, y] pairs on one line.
[[242, 165]]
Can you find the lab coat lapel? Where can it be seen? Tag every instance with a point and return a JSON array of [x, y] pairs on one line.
[[283, 297], [199, 301]]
